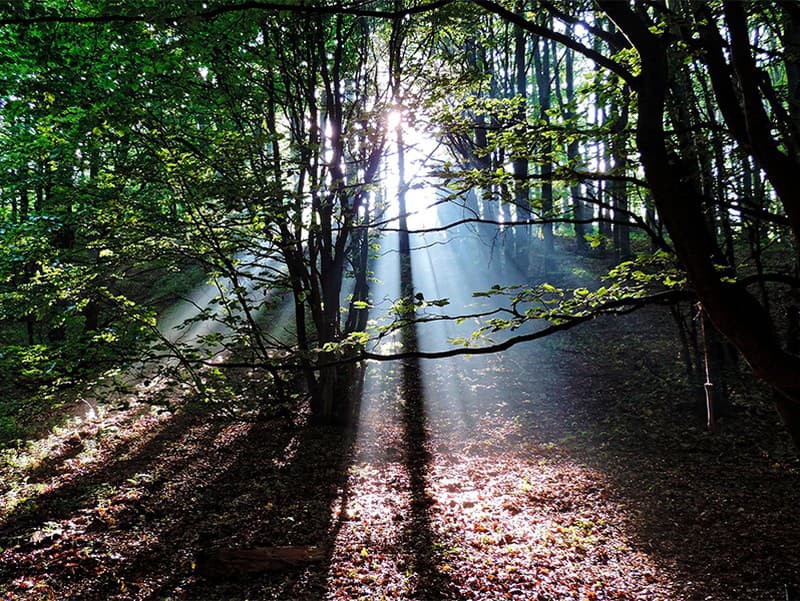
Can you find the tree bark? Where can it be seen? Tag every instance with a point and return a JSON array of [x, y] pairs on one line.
[[579, 209]]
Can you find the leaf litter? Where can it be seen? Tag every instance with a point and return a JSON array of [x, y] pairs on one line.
[[541, 474]]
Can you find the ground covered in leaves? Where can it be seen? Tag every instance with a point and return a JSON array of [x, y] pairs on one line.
[[576, 468]]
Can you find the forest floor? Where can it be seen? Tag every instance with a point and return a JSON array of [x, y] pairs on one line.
[[574, 468]]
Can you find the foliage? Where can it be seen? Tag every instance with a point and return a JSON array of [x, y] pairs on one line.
[[250, 143]]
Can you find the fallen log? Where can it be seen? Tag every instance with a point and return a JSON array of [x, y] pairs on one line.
[[239, 562]]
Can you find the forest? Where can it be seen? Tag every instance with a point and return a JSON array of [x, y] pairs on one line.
[[400, 299]]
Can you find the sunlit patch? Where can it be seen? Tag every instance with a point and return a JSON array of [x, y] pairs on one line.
[[523, 519], [132, 464], [539, 526], [367, 517], [44, 465], [288, 455], [474, 496]]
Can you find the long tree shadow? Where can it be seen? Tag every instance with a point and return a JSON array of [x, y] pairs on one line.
[[430, 582], [60, 500], [269, 496], [135, 524]]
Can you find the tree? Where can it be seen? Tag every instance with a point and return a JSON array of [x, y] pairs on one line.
[[211, 143], [731, 307], [277, 165], [254, 145], [666, 40]]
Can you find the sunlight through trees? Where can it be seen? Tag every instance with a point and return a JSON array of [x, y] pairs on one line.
[[285, 211]]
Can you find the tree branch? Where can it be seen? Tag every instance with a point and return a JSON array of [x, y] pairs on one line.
[[615, 307], [600, 59], [208, 15]]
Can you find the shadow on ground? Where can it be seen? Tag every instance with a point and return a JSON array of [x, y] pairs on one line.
[[568, 469], [613, 461], [717, 512], [131, 525], [419, 536]]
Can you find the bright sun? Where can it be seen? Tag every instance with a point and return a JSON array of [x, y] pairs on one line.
[[394, 118], [418, 146]]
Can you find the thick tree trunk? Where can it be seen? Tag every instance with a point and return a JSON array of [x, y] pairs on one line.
[[734, 311]]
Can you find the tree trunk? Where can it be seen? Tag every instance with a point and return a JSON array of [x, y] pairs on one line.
[[521, 236], [734, 312], [579, 209], [541, 60], [619, 191], [791, 41]]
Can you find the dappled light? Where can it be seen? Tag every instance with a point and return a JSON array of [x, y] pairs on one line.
[[413, 301]]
